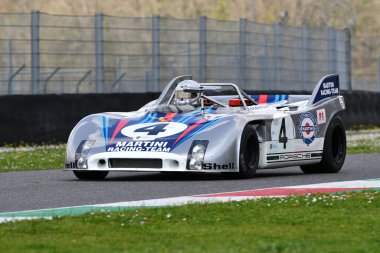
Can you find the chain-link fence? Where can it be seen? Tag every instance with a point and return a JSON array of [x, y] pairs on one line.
[[43, 53]]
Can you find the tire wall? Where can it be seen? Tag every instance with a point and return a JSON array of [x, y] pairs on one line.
[[50, 118]]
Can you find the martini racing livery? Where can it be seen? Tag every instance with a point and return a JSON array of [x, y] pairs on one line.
[[214, 128]]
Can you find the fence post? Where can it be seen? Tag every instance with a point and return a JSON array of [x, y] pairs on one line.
[[10, 66], [156, 53], [189, 61], [99, 53], [35, 51], [242, 51], [202, 49], [263, 61], [305, 58], [277, 54], [331, 47], [348, 59]]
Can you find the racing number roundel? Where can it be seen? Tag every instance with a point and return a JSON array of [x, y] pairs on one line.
[[152, 131], [307, 127]]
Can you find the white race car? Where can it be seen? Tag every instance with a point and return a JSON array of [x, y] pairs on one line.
[[214, 128]]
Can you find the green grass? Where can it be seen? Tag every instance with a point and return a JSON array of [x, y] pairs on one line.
[[363, 149], [363, 141], [32, 158], [347, 222]]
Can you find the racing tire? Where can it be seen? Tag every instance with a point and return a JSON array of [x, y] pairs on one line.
[[90, 175], [249, 153], [334, 149]]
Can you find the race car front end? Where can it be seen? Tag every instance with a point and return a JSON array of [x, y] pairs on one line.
[[159, 142]]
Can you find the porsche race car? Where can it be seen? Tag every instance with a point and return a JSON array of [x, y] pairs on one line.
[[214, 128]]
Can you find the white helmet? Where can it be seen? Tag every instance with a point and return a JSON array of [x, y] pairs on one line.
[[182, 97]]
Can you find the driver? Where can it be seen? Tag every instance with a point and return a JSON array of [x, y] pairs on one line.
[[186, 100]]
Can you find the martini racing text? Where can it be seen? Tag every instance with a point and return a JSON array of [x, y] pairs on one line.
[[153, 146], [329, 88]]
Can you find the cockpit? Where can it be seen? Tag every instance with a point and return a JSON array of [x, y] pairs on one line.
[[184, 95]]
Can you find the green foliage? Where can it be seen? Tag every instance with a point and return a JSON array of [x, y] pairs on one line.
[[221, 10]]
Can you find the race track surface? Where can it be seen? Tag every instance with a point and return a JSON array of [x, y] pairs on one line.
[[55, 188]]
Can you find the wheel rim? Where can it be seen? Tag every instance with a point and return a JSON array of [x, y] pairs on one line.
[[338, 146], [250, 154]]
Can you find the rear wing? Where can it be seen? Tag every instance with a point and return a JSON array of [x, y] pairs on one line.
[[327, 87]]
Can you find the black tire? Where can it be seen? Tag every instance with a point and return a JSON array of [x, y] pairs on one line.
[[249, 154], [90, 175], [334, 149]]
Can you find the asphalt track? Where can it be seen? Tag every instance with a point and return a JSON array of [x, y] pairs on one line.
[[21, 191]]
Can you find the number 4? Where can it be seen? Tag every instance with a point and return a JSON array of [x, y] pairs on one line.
[[282, 137], [152, 130]]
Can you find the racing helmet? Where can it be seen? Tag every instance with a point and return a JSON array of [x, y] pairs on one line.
[[183, 97]]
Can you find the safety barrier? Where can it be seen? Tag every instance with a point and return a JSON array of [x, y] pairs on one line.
[[50, 118]]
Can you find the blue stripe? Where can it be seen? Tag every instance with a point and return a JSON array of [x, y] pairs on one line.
[[209, 109], [146, 118], [277, 98], [106, 128], [189, 117], [102, 129], [196, 132], [282, 97], [152, 118]]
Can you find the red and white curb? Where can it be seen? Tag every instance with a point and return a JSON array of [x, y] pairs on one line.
[[203, 198], [257, 193]]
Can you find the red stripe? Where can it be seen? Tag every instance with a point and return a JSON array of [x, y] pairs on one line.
[[278, 192], [121, 124], [169, 116], [262, 99], [189, 129]]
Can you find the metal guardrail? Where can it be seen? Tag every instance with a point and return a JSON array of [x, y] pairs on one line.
[[104, 54]]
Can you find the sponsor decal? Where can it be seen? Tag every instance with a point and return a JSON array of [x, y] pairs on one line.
[[321, 116], [215, 166], [153, 146], [293, 157], [172, 128], [307, 127], [329, 88], [152, 131]]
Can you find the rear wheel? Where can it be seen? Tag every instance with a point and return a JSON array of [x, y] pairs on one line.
[[249, 153], [90, 175], [334, 149]]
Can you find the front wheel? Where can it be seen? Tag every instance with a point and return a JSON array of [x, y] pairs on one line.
[[334, 149], [90, 175], [249, 153]]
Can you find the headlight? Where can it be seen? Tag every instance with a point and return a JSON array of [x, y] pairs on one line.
[[196, 155], [82, 152], [198, 151], [195, 164], [82, 163]]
